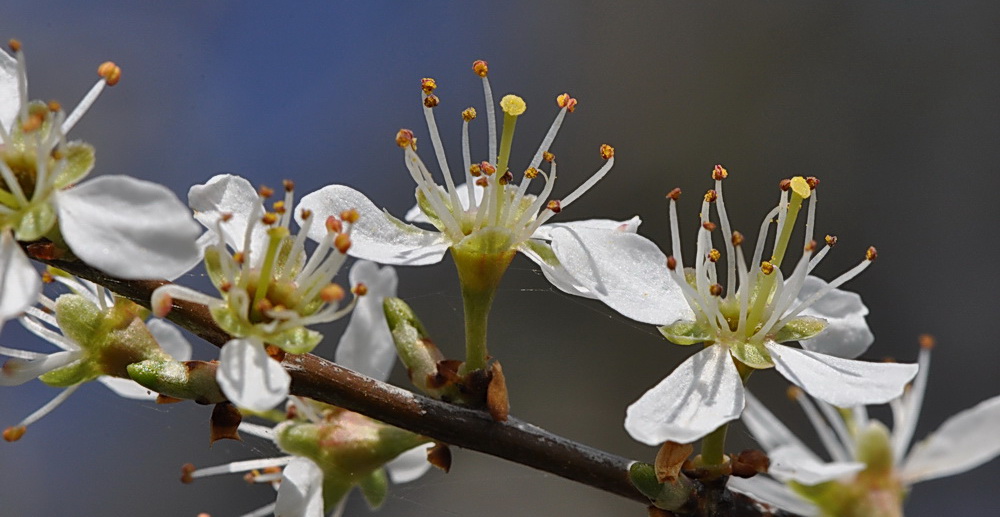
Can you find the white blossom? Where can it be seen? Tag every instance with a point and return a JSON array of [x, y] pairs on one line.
[[742, 326]]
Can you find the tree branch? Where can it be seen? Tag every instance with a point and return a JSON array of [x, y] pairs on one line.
[[513, 440]]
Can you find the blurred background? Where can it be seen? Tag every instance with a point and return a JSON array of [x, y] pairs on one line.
[[893, 105]]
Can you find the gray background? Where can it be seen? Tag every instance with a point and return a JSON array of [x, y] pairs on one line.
[[893, 105]]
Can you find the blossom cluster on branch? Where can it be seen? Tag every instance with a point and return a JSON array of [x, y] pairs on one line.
[[274, 266]]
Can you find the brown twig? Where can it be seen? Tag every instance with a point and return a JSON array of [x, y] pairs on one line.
[[513, 440]]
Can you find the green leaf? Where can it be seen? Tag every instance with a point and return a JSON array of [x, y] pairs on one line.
[[803, 327], [686, 333]]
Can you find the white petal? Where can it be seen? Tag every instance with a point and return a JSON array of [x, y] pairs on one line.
[[847, 334], [19, 282], [301, 491], [129, 228], [788, 464], [19, 371], [544, 231], [376, 236], [409, 466], [841, 382], [624, 270], [965, 441], [703, 393], [767, 490], [10, 97], [367, 346], [249, 378], [127, 388], [770, 432], [229, 194], [416, 215], [556, 274], [170, 339]]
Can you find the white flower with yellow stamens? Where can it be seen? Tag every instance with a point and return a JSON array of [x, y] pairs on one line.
[[871, 468], [124, 226], [742, 326], [488, 215], [271, 290]]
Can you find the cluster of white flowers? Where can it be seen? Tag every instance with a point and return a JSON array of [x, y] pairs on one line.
[[274, 285]]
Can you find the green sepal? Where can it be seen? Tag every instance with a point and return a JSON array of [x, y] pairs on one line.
[[189, 380], [798, 329], [428, 209], [79, 159], [686, 333], [643, 477], [543, 250], [213, 265], [375, 488], [754, 355], [35, 221], [297, 340]]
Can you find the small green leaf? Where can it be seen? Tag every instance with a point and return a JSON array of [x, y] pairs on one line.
[[803, 327], [686, 333]]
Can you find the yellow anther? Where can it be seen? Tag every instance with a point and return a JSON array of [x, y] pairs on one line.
[[674, 194], [405, 138], [33, 122], [927, 341], [427, 85], [810, 246], [269, 218], [506, 177], [831, 240], [737, 238], [719, 173], [265, 192], [801, 187], [531, 173], [607, 152], [54, 106], [475, 170], [714, 255], [766, 267], [47, 277], [785, 184], [332, 293], [305, 213], [871, 254], [480, 68], [278, 207], [288, 185], [708, 225], [565, 101], [711, 195], [513, 105], [111, 73], [15, 45], [239, 257], [813, 182], [794, 392], [333, 225], [483, 182], [342, 242], [548, 157], [468, 114], [555, 206], [487, 168], [349, 216], [715, 289], [431, 101]]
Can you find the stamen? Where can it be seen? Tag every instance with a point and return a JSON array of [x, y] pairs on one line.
[[834, 447], [44, 410], [913, 400], [467, 116], [110, 74], [189, 475], [430, 101], [608, 153], [481, 69]]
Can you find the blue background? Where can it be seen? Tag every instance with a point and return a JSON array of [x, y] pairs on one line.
[[894, 105]]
